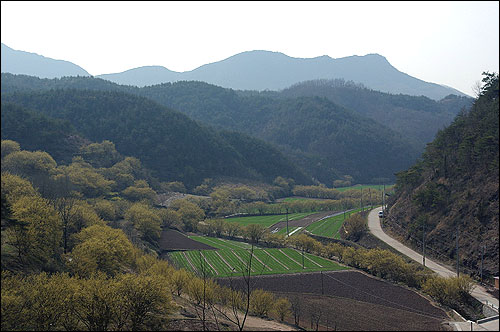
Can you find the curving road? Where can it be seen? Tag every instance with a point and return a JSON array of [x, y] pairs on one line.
[[374, 226]]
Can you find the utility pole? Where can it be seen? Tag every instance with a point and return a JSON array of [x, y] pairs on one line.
[[482, 258], [383, 199], [423, 244], [458, 268], [287, 235], [343, 205], [362, 199], [302, 257], [370, 197]]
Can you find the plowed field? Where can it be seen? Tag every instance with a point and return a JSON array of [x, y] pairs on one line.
[[352, 301]]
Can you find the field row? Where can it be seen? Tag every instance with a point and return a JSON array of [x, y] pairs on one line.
[[221, 243], [233, 262]]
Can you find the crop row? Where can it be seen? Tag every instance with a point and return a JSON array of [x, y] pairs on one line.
[[233, 262]]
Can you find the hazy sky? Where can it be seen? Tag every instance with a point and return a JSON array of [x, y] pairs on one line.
[[448, 43]]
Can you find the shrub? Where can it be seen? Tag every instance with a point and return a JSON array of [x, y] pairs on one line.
[[261, 302]]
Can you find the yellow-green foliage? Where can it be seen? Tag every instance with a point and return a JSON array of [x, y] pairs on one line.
[[9, 146], [261, 302], [37, 240], [282, 307], [146, 220], [139, 191], [101, 248], [86, 178], [15, 187], [97, 303], [189, 212], [105, 209], [29, 164], [448, 291]]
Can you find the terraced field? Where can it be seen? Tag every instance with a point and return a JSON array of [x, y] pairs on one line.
[[232, 261], [329, 227]]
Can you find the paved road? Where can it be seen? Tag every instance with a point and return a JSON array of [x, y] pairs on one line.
[[478, 292]]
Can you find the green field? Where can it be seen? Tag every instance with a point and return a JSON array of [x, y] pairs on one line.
[[366, 186], [329, 227], [283, 230], [267, 221], [231, 262], [293, 199], [221, 243]]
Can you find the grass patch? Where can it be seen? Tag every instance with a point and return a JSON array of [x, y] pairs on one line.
[[221, 243], [231, 262], [330, 227], [283, 230]]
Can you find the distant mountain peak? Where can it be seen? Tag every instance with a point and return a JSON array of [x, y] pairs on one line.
[[26, 63]]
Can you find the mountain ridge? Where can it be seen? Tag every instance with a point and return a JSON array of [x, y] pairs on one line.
[[249, 70], [21, 62]]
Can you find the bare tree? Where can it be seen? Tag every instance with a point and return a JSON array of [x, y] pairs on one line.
[[296, 303]]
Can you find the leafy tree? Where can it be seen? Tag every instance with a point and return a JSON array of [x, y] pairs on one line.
[[261, 302], [254, 233], [9, 146], [102, 154], [101, 248], [146, 301], [175, 186], [189, 212], [282, 307], [15, 187], [38, 239], [105, 209], [139, 191], [36, 166], [354, 227], [88, 181], [146, 220]]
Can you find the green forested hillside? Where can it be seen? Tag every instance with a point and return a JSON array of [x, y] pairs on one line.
[[417, 118], [372, 137], [35, 131], [169, 143], [455, 187], [324, 138]]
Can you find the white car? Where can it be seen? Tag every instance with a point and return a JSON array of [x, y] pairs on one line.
[[381, 214]]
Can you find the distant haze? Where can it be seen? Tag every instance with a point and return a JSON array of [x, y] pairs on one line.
[[20, 62], [265, 70]]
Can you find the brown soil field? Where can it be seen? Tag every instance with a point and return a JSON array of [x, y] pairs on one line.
[[174, 240], [352, 300]]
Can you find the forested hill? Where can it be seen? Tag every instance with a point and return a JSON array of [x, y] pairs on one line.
[[455, 186], [175, 147], [326, 140], [418, 118]]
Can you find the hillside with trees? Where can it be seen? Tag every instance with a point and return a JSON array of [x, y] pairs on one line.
[[173, 146], [453, 189], [322, 137], [418, 118]]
